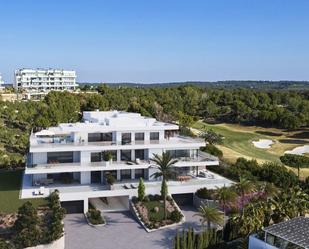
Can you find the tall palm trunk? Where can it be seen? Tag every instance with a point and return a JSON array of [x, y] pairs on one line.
[[164, 200]]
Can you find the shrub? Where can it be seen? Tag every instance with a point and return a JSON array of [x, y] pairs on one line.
[[204, 193], [146, 199], [157, 198], [141, 189], [110, 179], [134, 199], [107, 155], [212, 137], [176, 216], [213, 150], [94, 217]]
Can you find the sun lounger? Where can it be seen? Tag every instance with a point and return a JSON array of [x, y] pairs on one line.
[[125, 186], [36, 192], [42, 191], [133, 186]]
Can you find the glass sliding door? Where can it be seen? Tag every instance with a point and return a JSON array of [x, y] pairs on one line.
[[140, 154], [125, 174], [126, 138], [125, 155]]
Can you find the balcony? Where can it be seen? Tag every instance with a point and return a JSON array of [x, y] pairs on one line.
[[77, 191], [39, 145], [203, 159]]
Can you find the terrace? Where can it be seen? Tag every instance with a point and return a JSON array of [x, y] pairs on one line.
[[76, 191], [63, 143], [202, 159]]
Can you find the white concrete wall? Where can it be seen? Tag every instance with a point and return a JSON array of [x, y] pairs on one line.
[[146, 136], [85, 156], [57, 244], [154, 151], [85, 177]]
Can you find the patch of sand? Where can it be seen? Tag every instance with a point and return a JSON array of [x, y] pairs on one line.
[[263, 143]]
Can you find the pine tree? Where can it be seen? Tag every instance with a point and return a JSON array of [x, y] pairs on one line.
[[26, 226], [141, 189]]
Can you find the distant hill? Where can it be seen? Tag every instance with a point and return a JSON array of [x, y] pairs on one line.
[[291, 85]]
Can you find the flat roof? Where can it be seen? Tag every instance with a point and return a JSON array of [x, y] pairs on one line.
[[295, 231], [97, 121]]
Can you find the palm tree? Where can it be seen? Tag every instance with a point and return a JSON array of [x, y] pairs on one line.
[[243, 187], [226, 197], [268, 188], [164, 164], [210, 215]]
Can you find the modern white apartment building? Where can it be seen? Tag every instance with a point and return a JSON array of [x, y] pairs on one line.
[[1, 83], [41, 81], [72, 158]]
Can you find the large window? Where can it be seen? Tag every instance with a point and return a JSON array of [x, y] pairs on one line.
[[179, 153], [125, 155], [126, 138], [139, 136], [140, 154], [60, 157], [96, 157], [139, 173], [125, 174], [98, 137], [154, 136]]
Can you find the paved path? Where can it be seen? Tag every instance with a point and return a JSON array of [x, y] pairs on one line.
[[121, 231]]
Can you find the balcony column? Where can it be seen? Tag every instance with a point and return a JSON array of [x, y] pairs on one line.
[[118, 175], [85, 205], [85, 177], [132, 174], [118, 156]]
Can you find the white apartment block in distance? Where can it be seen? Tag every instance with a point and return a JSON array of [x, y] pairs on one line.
[[38, 82], [72, 158], [1, 83]]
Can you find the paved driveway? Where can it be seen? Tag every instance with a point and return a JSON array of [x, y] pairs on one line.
[[121, 231]]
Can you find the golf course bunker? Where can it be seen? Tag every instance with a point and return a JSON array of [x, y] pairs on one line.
[[299, 150], [263, 143]]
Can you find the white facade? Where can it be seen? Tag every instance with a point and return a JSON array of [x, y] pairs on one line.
[[76, 154], [1, 83], [41, 81]]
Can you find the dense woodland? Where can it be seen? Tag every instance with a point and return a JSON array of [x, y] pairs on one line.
[[273, 108]]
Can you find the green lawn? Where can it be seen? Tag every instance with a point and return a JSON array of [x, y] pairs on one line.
[[10, 182], [240, 142]]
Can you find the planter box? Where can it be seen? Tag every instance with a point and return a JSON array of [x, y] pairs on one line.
[[57, 244], [98, 225], [136, 215]]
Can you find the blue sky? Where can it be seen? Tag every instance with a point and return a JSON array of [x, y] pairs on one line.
[[157, 40]]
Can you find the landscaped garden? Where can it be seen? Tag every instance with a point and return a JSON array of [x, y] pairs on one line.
[[32, 226], [152, 214], [261, 196], [94, 216], [155, 211], [10, 184]]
